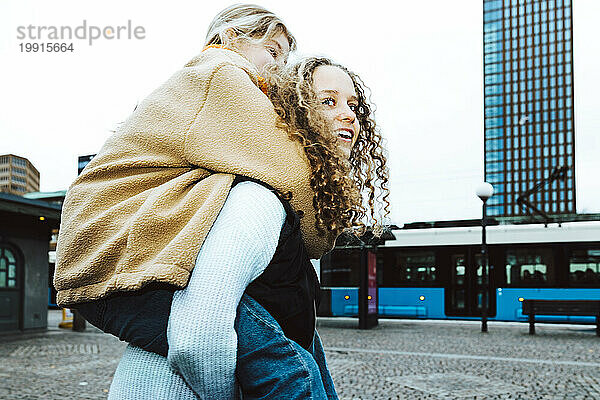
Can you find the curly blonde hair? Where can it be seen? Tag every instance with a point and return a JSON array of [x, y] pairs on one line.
[[338, 184]]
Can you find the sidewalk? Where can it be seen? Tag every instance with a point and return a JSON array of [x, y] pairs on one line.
[[399, 359], [412, 359], [58, 363]]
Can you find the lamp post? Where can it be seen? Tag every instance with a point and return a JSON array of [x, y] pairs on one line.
[[484, 192]]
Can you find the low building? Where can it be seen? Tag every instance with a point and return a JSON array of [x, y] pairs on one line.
[[26, 226], [56, 198]]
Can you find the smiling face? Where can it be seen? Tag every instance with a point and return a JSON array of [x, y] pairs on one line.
[[336, 94], [273, 50]]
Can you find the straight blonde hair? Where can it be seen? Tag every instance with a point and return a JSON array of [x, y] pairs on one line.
[[250, 22]]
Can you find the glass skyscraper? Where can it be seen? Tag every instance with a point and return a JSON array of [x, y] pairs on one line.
[[528, 95]]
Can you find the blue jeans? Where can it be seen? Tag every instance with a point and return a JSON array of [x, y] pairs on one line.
[[271, 366]]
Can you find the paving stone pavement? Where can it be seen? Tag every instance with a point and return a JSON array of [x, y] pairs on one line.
[[399, 359]]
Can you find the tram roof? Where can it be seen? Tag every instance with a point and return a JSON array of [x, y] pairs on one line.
[[580, 231]]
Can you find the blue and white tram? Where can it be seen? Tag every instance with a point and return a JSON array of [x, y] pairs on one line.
[[436, 273]]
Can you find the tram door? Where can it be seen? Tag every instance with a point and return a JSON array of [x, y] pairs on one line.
[[466, 285]]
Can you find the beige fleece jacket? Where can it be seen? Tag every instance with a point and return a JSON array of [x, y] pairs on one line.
[[141, 209]]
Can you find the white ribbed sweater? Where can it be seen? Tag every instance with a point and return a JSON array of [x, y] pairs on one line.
[[201, 336]]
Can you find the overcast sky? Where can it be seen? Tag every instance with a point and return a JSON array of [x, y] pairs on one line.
[[421, 59]]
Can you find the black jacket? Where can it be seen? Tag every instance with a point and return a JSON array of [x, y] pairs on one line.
[[288, 288]]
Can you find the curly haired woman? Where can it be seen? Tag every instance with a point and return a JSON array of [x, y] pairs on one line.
[[189, 234], [323, 106]]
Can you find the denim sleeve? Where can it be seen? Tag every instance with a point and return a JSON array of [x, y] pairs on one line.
[[241, 243]]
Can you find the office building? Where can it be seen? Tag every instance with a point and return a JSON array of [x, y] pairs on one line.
[[528, 95], [18, 175], [82, 161]]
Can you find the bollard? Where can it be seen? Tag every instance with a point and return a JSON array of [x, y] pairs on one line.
[[78, 321]]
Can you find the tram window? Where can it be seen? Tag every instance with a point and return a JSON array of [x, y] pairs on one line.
[[413, 268], [584, 267], [529, 267], [340, 268]]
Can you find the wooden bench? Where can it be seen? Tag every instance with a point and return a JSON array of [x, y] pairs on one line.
[[561, 307]]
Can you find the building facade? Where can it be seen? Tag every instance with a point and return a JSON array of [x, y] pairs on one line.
[[18, 175], [528, 103], [55, 199], [82, 161], [26, 226]]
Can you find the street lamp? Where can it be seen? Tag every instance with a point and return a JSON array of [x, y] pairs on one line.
[[484, 192]]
